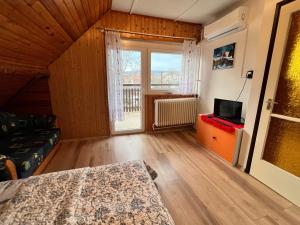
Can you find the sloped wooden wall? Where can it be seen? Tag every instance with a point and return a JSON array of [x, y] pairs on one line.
[[33, 33], [34, 98], [78, 88], [9, 85]]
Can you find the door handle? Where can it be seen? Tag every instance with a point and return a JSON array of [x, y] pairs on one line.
[[270, 104]]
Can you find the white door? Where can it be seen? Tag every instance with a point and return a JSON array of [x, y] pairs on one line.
[[276, 159]]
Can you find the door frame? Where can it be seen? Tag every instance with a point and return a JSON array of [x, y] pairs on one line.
[[279, 5], [143, 51], [280, 180]]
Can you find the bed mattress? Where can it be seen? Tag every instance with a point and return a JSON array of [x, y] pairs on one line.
[[121, 193]]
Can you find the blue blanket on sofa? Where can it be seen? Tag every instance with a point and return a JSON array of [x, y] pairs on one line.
[[26, 140]]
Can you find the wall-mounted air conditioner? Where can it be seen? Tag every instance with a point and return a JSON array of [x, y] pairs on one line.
[[232, 22]]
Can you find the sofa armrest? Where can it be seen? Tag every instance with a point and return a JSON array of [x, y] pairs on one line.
[[9, 166]]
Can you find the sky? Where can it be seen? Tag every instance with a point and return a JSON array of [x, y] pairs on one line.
[[159, 61], [165, 62]]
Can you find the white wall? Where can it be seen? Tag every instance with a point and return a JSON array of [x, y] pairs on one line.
[[225, 83], [228, 83], [261, 56]]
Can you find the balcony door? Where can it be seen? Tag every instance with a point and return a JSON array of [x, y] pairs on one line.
[[133, 92]]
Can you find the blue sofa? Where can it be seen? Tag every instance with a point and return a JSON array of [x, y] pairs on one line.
[[25, 141]]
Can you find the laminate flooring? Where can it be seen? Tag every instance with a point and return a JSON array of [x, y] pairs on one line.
[[196, 186]]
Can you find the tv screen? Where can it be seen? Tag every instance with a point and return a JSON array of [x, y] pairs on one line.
[[228, 110]]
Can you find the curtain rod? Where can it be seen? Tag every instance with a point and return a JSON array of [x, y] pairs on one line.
[[146, 34]]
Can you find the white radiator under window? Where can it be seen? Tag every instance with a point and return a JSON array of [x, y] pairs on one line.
[[176, 111]]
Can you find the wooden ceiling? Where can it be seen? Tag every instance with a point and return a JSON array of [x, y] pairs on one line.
[[33, 33]]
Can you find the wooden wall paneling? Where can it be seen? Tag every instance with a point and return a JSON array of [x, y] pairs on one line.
[[41, 30], [15, 46], [17, 68], [81, 14], [24, 58], [66, 12], [71, 8], [93, 6], [98, 7], [23, 34], [86, 7], [33, 23], [78, 77], [24, 42], [54, 10], [78, 88], [39, 15], [107, 5], [147, 24], [57, 29], [33, 99], [9, 85]]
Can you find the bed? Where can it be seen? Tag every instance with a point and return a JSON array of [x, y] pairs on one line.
[[121, 194]]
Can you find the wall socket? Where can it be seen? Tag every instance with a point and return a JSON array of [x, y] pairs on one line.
[[249, 74]]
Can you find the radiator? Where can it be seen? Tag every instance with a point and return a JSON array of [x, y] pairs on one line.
[[176, 111]]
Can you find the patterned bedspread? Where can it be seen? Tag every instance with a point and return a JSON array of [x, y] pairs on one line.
[[113, 194]]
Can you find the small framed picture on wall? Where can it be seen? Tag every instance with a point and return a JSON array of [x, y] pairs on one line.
[[223, 57]]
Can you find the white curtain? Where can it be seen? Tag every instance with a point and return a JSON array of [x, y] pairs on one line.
[[190, 68], [114, 76]]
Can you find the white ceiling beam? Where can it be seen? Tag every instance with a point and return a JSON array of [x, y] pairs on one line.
[[132, 7], [186, 10]]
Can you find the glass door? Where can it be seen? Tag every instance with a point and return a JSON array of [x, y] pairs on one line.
[[276, 159], [132, 93]]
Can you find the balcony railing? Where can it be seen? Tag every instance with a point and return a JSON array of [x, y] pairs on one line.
[[132, 95]]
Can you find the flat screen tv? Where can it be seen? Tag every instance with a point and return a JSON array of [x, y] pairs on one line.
[[228, 110]]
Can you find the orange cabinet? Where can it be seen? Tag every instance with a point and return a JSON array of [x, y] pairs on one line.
[[224, 144]]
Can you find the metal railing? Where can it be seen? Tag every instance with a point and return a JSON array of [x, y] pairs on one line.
[[132, 95]]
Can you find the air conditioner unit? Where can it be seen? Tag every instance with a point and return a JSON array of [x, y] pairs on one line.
[[232, 22]]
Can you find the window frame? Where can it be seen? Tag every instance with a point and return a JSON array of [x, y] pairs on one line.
[[159, 50], [148, 46]]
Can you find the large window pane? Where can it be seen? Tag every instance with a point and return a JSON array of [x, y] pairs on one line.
[[165, 70], [131, 67]]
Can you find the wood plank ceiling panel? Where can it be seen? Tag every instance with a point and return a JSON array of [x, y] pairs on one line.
[[33, 33]]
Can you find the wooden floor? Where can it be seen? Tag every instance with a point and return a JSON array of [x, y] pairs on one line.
[[197, 187]]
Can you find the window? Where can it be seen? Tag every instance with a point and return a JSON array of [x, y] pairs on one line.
[[165, 70]]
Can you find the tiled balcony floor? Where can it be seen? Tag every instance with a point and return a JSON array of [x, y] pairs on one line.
[[132, 122]]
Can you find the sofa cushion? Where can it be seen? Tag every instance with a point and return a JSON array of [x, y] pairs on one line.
[[9, 123], [36, 122], [28, 150]]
